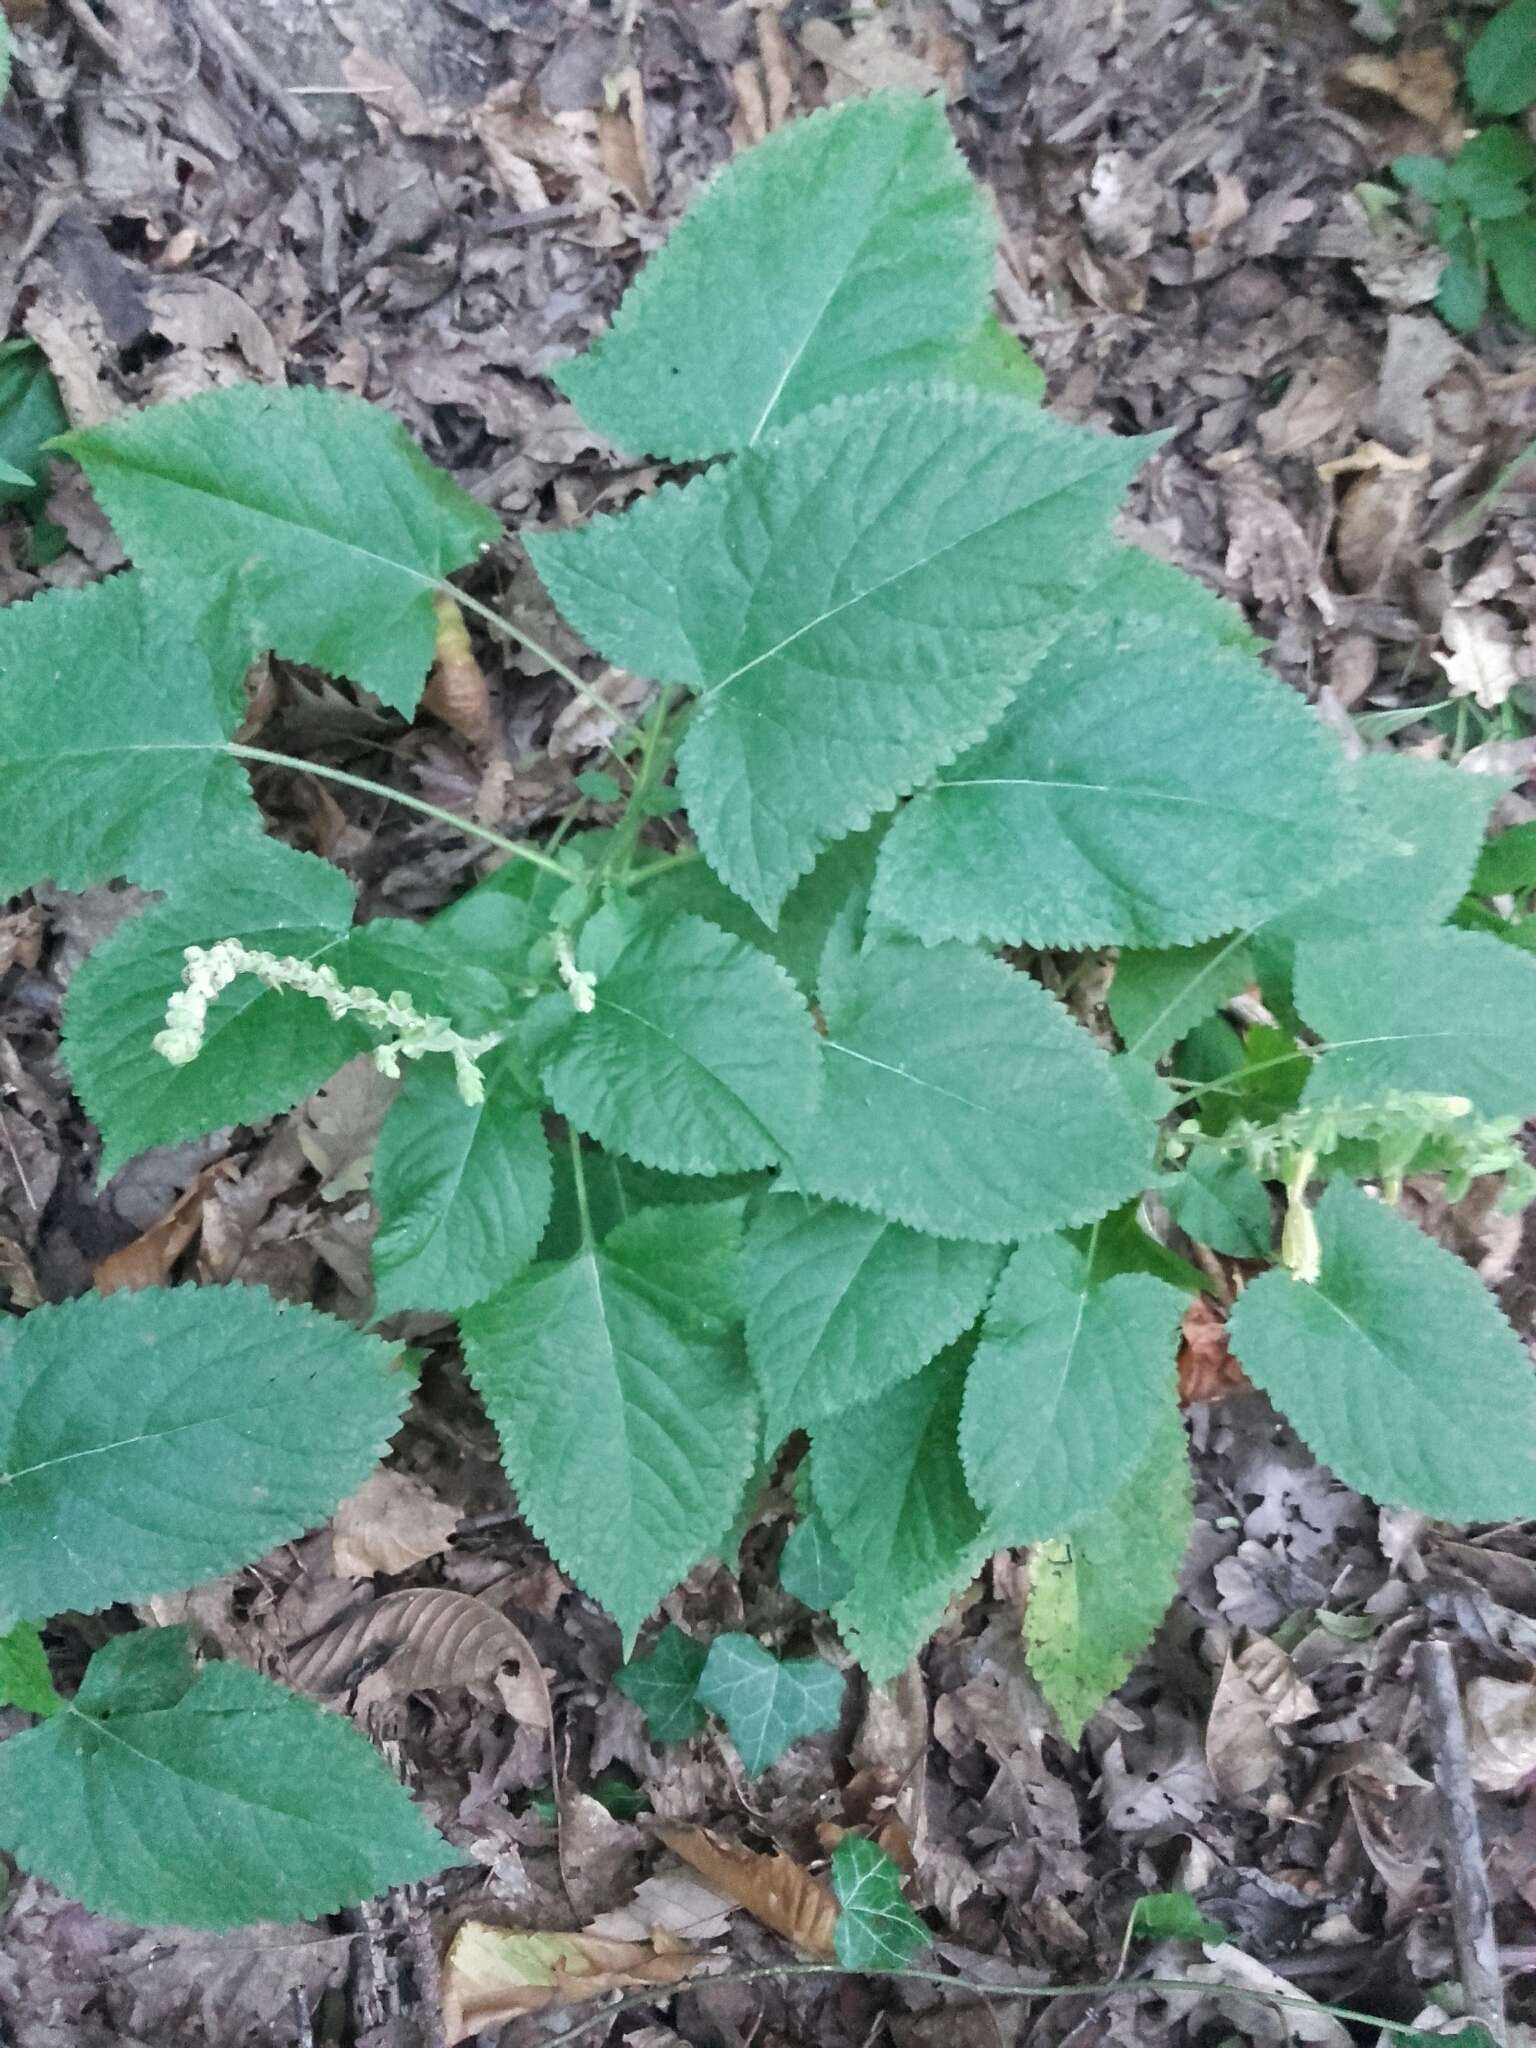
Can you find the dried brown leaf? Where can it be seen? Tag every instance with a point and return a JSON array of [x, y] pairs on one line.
[[1258, 1692], [456, 690], [148, 1261], [422, 1640], [774, 1889], [494, 1974], [1207, 1369], [392, 1522], [1421, 82]]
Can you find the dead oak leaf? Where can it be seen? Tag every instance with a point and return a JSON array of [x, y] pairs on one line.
[[774, 1888]]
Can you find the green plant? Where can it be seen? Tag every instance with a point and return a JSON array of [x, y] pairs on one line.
[[1484, 199], [799, 1139]]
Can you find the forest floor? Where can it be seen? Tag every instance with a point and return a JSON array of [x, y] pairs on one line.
[[430, 204]]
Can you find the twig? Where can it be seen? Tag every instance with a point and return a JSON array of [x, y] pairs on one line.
[[303, 2032], [238, 51], [1461, 1841]]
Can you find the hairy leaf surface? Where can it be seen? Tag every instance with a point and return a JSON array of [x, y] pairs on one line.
[[626, 1414], [334, 522], [854, 602], [960, 1099], [1096, 1598], [1067, 1382], [1397, 1367], [853, 248], [697, 1055], [119, 1800], [150, 1440]]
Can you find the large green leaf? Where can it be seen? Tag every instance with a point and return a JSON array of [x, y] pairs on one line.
[[1448, 1012], [1096, 1599], [767, 1703], [1067, 1382], [698, 1052], [1397, 1367], [115, 707], [335, 523], [1148, 787], [853, 249], [264, 1050], [1158, 997], [841, 1304], [149, 1440], [462, 1189], [625, 1410], [887, 1479], [961, 1099], [854, 602], [208, 1799]]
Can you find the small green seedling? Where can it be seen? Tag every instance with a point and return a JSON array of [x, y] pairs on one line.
[[785, 1136]]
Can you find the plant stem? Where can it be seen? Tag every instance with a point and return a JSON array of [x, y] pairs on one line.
[[547, 655], [627, 834], [519, 847], [638, 877], [1112, 1988], [579, 1172]]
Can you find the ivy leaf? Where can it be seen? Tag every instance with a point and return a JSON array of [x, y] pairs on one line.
[[1067, 1382], [115, 706], [1222, 1203], [264, 1051], [1157, 998], [767, 1705], [834, 679], [117, 1799], [1147, 788], [841, 1304], [25, 1680], [1448, 1012], [463, 1190], [960, 1099], [810, 1568], [697, 1053], [618, 1390], [150, 1440], [854, 240], [337, 526], [887, 1480], [877, 1929], [1358, 1362], [665, 1684], [1096, 1598]]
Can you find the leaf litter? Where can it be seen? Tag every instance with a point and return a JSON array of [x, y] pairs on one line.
[[1183, 251]]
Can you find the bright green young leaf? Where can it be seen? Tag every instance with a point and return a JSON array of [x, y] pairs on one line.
[[1506, 866], [992, 360], [768, 1704], [887, 1480], [31, 413], [1173, 1916], [1448, 1012], [697, 1055], [834, 676], [150, 1440], [1501, 64], [1157, 998], [462, 1190], [25, 1680], [877, 1929], [265, 1050], [1146, 787], [853, 248], [1222, 1203], [1396, 1367], [115, 706], [625, 1410], [664, 1686], [841, 1304], [207, 1800], [336, 525], [810, 1568], [1097, 1596], [960, 1099], [1511, 246], [1066, 1385]]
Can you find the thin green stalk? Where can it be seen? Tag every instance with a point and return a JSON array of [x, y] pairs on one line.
[[638, 877], [579, 1173], [1116, 1987], [519, 847], [547, 655], [627, 834]]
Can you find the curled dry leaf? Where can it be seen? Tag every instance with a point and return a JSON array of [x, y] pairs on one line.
[[774, 1889], [1421, 82], [495, 1974], [1479, 661], [1501, 1732], [1207, 1369], [392, 1522], [456, 690], [420, 1641], [1259, 1691], [147, 1262]]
